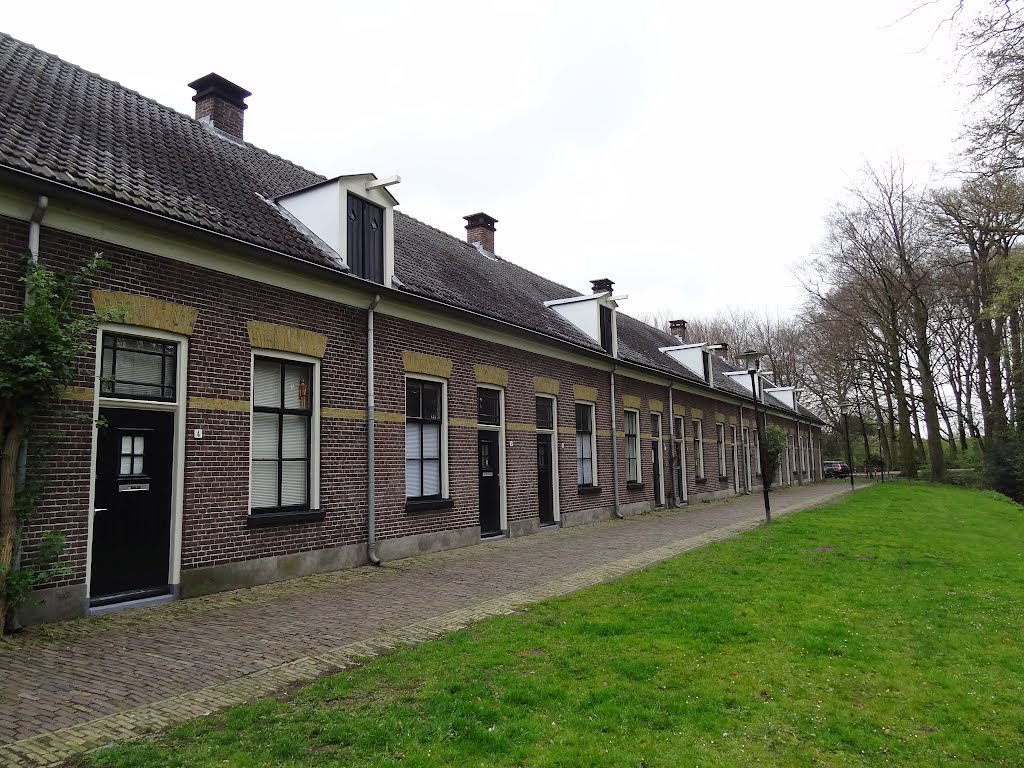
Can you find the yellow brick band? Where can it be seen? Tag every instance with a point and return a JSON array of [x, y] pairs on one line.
[[679, 410], [645, 436], [418, 362], [602, 433], [146, 311], [398, 418], [567, 430], [581, 392], [516, 426], [462, 423], [286, 339], [630, 401], [655, 405], [545, 386], [489, 374], [342, 413], [219, 404], [79, 394]]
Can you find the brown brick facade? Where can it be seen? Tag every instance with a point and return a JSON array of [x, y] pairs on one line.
[[216, 468]]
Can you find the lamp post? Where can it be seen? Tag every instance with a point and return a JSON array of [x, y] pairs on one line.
[[867, 450], [753, 361], [845, 408]]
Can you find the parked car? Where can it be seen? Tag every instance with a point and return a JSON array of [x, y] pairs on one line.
[[835, 469]]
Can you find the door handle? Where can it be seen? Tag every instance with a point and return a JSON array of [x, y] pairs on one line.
[[99, 509]]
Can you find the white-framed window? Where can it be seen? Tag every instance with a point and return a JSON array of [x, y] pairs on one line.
[[720, 435], [810, 455], [698, 449], [680, 469], [631, 426], [586, 445], [136, 368], [426, 443], [285, 444]]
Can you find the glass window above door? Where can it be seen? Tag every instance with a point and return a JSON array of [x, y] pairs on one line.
[[138, 369]]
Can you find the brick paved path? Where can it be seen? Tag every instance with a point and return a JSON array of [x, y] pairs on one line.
[[75, 686]]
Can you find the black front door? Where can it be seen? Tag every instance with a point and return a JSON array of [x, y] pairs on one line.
[[545, 484], [490, 482], [131, 530]]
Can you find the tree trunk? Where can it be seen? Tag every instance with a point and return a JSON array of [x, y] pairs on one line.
[[928, 398], [8, 518], [908, 461]]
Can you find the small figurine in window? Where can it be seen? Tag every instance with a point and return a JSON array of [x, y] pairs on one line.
[[303, 393]]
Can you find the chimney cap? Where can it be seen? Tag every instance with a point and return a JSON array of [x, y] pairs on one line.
[[219, 87], [480, 220], [602, 285]]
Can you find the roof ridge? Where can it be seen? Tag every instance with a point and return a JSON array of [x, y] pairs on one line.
[[149, 100]]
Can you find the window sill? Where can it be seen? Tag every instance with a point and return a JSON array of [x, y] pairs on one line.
[[428, 505], [588, 490], [260, 519], [700, 480], [632, 485]]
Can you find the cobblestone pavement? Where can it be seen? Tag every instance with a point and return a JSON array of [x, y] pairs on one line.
[[75, 686]]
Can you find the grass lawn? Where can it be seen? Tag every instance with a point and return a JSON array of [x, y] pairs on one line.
[[885, 630]]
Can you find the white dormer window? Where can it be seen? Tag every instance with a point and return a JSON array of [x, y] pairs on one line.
[[786, 395], [353, 216], [695, 357], [595, 315]]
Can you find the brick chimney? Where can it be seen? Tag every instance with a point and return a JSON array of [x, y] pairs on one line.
[[678, 329], [603, 285], [480, 229], [220, 103]]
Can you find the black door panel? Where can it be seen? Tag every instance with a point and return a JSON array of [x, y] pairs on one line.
[[545, 484], [131, 532], [490, 482]]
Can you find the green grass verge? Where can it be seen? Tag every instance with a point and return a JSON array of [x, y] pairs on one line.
[[882, 630]]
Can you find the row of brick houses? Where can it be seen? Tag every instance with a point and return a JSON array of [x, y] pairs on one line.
[[265, 321]]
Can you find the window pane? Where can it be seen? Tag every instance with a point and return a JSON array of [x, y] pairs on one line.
[[137, 465], [267, 383], [584, 418], [293, 482], [412, 399], [431, 401], [139, 445], [655, 426], [264, 484], [631, 422], [488, 406], [588, 472], [298, 386], [126, 465], [545, 413], [412, 440], [126, 444], [431, 477], [412, 478], [264, 435], [431, 441], [294, 437]]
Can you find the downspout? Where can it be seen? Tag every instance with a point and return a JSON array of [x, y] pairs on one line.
[[33, 248], [371, 466], [615, 452], [672, 447]]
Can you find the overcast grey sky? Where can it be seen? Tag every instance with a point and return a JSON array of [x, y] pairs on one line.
[[687, 151]]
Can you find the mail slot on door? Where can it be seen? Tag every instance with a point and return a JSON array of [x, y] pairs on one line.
[[128, 487]]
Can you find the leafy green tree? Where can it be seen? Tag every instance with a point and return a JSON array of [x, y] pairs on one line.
[[38, 348]]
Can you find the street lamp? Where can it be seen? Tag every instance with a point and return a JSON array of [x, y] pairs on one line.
[[867, 450], [753, 361], [845, 408]]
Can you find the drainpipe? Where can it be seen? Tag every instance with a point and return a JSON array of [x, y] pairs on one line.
[[672, 447], [615, 453], [33, 248], [371, 469]]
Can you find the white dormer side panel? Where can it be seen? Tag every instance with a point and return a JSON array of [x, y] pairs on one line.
[[317, 209], [689, 355], [585, 315], [740, 377], [584, 312], [785, 395], [323, 210]]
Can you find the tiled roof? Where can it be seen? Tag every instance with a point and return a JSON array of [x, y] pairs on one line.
[[62, 123]]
